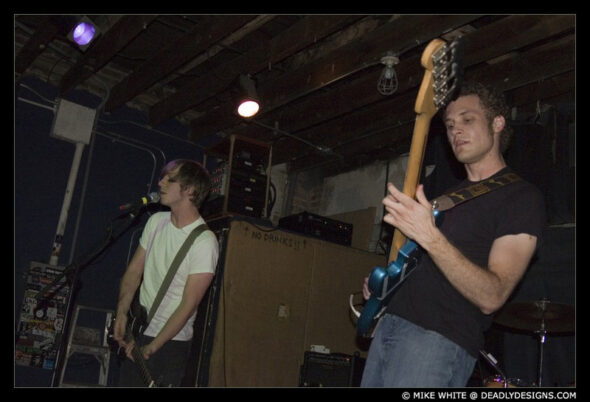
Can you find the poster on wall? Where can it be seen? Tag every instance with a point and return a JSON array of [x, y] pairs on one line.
[[41, 321]]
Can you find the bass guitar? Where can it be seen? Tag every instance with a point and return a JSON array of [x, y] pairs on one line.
[[441, 81]]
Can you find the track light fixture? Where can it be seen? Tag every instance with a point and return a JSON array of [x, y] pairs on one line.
[[248, 101], [388, 80], [83, 33]]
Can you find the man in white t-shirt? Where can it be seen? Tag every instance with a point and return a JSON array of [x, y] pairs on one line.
[[165, 343]]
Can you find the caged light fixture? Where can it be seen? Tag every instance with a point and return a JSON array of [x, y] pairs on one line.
[[248, 101], [388, 80]]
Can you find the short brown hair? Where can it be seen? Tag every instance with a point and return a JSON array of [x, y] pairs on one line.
[[494, 104], [190, 173]]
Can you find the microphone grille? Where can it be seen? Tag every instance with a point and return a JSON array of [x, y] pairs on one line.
[[154, 196]]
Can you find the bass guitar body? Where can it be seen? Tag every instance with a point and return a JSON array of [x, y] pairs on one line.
[[383, 281]]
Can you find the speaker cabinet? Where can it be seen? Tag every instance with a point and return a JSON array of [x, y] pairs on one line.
[[275, 295], [331, 370]]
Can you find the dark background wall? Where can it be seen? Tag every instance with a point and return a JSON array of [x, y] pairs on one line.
[[543, 151]]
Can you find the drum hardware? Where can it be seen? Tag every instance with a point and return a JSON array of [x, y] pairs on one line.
[[494, 363], [499, 380], [541, 317]]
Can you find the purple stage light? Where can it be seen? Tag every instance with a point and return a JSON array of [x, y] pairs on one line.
[[83, 33]]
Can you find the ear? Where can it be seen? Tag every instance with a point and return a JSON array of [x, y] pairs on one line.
[[189, 190], [498, 124]]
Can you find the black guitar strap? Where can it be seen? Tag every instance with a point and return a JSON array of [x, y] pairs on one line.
[[173, 268], [449, 200]]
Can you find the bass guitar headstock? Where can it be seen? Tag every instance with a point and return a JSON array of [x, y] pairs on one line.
[[443, 75], [447, 72]]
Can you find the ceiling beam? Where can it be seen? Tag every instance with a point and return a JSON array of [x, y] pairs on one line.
[[106, 47], [362, 91], [560, 86], [512, 33], [36, 44], [538, 64], [400, 35], [350, 131], [174, 56], [530, 67], [301, 34]]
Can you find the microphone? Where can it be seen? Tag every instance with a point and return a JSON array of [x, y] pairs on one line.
[[149, 199]]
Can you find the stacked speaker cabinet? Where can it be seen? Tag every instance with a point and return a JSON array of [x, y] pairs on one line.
[[275, 295], [241, 180]]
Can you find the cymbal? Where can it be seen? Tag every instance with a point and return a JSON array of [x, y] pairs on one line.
[[537, 316]]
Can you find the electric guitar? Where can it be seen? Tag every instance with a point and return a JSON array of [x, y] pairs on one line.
[[136, 324], [441, 81]]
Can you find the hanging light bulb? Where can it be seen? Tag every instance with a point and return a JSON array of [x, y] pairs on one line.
[[388, 80]]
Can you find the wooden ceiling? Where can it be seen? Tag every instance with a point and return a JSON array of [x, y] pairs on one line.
[[316, 74]]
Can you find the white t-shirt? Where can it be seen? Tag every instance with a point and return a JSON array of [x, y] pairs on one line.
[[201, 257]]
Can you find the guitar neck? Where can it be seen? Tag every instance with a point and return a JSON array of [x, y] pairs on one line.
[[140, 361], [426, 106], [415, 159]]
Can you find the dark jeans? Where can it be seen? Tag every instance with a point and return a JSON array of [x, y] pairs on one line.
[[166, 366]]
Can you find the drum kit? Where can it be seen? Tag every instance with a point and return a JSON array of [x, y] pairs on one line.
[[540, 317]]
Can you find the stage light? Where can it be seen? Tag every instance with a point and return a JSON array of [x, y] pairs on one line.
[[83, 33], [248, 102]]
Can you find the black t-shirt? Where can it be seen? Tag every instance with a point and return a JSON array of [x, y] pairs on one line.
[[428, 299]]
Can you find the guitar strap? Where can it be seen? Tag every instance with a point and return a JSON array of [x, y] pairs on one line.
[[452, 199], [173, 268]]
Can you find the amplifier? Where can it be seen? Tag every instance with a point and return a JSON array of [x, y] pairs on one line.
[[247, 160], [318, 226], [248, 183], [331, 370], [240, 182], [247, 206]]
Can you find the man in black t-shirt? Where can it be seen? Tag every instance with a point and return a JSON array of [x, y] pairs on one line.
[[433, 328]]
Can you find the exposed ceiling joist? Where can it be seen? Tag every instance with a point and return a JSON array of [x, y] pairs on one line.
[[174, 56], [317, 74], [400, 35], [293, 39], [112, 42]]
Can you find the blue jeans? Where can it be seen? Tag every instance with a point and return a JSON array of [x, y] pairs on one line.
[[405, 355]]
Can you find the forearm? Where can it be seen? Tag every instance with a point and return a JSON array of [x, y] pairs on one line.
[[130, 281], [477, 284], [172, 327], [487, 287]]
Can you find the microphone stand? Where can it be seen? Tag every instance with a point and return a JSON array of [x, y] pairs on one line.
[[72, 272]]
